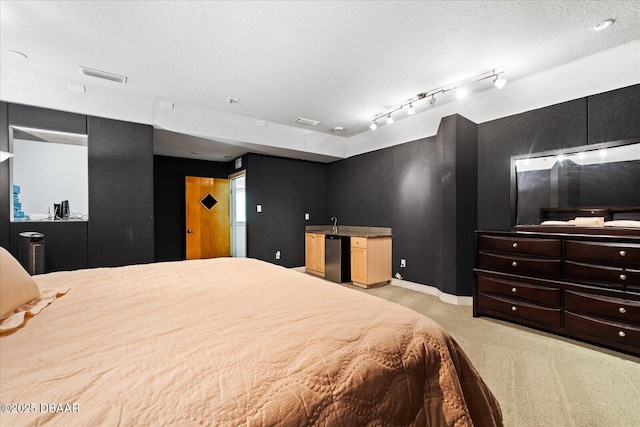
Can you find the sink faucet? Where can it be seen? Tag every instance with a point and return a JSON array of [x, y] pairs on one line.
[[335, 224]]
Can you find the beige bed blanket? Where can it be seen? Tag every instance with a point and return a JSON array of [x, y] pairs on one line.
[[231, 342]]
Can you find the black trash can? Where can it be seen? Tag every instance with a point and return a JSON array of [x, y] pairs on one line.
[[32, 252]]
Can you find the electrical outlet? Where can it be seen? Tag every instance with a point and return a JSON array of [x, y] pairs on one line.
[[258, 208], [277, 254], [306, 217], [403, 263]]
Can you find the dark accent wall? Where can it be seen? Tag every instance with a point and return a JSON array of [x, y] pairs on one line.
[[286, 189], [425, 191], [120, 160], [44, 118], [169, 201], [608, 116], [120, 192], [65, 243]]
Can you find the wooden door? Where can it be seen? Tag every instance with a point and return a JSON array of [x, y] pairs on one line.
[[208, 217]]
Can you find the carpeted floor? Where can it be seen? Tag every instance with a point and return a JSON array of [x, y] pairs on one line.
[[539, 379]]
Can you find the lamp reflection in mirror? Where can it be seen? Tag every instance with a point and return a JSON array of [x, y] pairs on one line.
[[4, 156]]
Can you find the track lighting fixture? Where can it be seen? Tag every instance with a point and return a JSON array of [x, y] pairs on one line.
[[499, 82], [461, 91]]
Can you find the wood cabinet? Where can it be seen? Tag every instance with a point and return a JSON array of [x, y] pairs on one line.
[[314, 253], [582, 286], [370, 260]]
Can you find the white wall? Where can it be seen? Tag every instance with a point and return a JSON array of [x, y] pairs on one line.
[[49, 173]]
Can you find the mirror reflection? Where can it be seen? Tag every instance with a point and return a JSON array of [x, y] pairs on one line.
[[590, 176], [49, 174]]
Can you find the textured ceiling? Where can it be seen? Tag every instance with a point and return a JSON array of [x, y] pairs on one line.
[[339, 63]]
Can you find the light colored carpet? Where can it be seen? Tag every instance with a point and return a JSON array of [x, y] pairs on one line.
[[539, 379]]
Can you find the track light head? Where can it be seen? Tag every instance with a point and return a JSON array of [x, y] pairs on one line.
[[462, 92], [411, 111], [432, 101], [389, 119], [499, 82], [373, 126]]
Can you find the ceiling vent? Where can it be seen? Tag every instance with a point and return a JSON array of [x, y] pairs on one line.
[[103, 75], [307, 122]]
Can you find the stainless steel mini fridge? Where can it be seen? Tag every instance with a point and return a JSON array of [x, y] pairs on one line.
[[337, 258]]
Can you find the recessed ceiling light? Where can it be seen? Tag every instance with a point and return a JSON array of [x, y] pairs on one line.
[[338, 129], [195, 153], [231, 100], [604, 24]]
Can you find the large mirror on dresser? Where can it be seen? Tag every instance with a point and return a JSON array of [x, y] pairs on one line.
[[597, 180]]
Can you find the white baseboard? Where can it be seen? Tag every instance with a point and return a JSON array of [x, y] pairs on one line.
[[430, 290]]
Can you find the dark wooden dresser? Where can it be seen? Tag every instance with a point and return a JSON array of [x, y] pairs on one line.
[[580, 284]]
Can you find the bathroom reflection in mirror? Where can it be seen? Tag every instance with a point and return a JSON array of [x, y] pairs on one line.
[[594, 175], [49, 172]]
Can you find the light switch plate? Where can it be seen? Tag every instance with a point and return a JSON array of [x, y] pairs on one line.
[[258, 208], [306, 217]]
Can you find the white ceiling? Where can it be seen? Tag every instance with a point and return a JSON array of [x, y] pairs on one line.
[[338, 62]]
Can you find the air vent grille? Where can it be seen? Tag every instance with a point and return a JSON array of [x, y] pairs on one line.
[[308, 122], [103, 75]]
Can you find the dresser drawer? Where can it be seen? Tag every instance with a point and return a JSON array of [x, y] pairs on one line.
[[358, 242], [519, 310], [520, 265], [600, 274], [520, 245], [623, 310], [615, 333], [550, 297], [624, 255]]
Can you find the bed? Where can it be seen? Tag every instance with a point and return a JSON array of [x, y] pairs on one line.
[[231, 342]]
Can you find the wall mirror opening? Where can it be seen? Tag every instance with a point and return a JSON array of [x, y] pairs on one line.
[[598, 175], [49, 175]]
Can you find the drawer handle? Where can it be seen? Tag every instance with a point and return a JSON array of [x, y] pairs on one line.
[[621, 334], [514, 308], [623, 277], [623, 253], [515, 245], [515, 264], [514, 290], [622, 310]]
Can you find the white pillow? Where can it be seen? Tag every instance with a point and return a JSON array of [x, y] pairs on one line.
[[17, 287], [623, 223]]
